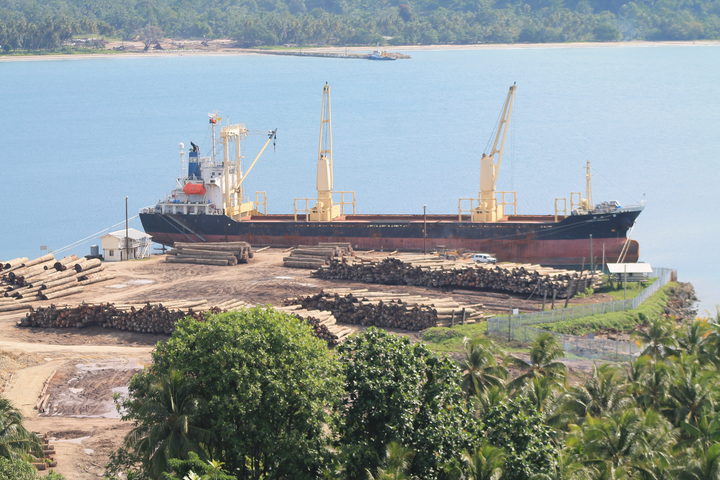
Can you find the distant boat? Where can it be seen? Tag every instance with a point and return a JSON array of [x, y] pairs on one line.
[[378, 55]]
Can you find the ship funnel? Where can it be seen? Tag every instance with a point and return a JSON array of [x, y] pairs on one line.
[[194, 162]]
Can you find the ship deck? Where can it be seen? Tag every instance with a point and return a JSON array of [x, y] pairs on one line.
[[512, 219]]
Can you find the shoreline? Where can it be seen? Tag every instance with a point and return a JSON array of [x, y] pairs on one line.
[[235, 51]]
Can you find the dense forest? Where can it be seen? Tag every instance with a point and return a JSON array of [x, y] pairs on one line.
[[41, 25]]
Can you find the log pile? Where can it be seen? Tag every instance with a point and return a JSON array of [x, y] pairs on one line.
[[210, 253], [323, 323], [432, 272], [315, 256], [158, 318], [389, 310], [44, 278]]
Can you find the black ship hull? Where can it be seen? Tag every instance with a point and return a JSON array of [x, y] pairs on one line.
[[571, 240]]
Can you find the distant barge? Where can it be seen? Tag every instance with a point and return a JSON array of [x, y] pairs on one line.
[[209, 205]]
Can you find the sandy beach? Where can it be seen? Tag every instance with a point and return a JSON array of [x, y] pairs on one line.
[[225, 47]]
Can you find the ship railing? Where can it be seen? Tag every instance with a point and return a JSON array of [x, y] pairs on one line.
[[507, 200], [344, 201], [185, 208], [525, 327], [302, 206], [261, 202]]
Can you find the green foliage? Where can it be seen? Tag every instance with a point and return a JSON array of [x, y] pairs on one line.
[[450, 339], [396, 463], [15, 440], [480, 369], [16, 469], [33, 24], [261, 387], [653, 307], [545, 351], [194, 465], [517, 427], [399, 391]]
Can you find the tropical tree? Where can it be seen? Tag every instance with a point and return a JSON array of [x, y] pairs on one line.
[[483, 463], [195, 468], [544, 352], [165, 410], [701, 465], [396, 464], [265, 388], [605, 392], [15, 441], [16, 469], [691, 392], [519, 429], [659, 338], [628, 441], [399, 391], [480, 369]]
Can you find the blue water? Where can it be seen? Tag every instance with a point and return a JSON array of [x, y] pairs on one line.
[[77, 136]]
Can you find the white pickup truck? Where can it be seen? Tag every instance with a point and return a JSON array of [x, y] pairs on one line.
[[483, 258]]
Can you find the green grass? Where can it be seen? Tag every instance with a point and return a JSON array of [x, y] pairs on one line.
[[621, 321], [450, 339], [631, 290]]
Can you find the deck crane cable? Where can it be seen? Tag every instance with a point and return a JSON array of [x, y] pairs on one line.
[[493, 132], [85, 239]]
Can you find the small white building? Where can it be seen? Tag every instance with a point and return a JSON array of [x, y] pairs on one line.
[[115, 250]]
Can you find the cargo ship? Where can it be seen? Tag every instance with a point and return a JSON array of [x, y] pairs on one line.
[[209, 205]]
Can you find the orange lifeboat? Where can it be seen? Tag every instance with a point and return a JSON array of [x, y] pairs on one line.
[[194, 189]]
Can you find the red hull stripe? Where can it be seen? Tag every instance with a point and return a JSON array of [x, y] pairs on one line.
[[547, 252]]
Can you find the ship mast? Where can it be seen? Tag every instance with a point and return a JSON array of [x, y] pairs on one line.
[[488, 208], [588, 187]]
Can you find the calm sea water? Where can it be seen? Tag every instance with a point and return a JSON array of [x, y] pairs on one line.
[[77, 136]]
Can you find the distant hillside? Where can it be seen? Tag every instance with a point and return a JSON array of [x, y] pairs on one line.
[[46, 24]]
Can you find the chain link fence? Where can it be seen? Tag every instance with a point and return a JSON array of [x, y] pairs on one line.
[[520, 327]]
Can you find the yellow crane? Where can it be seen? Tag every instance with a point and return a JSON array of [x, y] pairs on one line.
[[487, 207], [326, 208]]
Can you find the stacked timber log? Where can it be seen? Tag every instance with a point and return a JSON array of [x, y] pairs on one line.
[[210, 253], [323, 323], [148, 318], [315, 256], [156, 318], [389, 310], [432, 272], [46, 278]]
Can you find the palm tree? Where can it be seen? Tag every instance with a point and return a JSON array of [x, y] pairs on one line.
[[706, 431], [605, 392], [693, 339], [567, 468], [631, 440], [649, 381], [659, 339], [15, 440], [691, 392], [541, 392], [397, 462], [544, 352], [701, 465], [484, 463], [480, 369], [167, 424]]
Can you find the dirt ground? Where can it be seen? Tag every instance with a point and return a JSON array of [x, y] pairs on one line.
[[81, 370]]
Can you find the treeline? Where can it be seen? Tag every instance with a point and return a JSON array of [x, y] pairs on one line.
[[36, 24]]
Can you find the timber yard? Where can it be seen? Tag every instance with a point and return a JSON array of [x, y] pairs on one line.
[[64, 363]]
